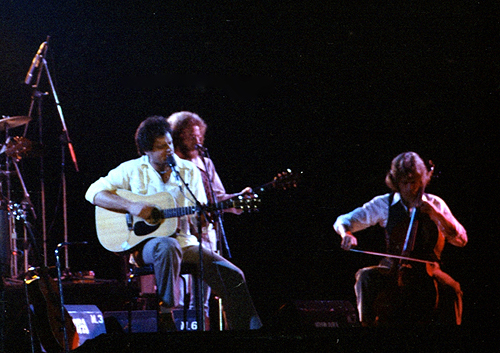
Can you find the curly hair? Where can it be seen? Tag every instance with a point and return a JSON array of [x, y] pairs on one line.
[[407, 166], [180, 121], [151, 128]]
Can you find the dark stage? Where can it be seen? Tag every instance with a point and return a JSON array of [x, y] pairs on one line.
[[326, 340], [333, 90], [288, 331]]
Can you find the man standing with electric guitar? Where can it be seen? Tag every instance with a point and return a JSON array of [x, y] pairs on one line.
[[166, 237], [188, 133]]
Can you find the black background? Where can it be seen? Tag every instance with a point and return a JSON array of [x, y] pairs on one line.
[[332, 90]]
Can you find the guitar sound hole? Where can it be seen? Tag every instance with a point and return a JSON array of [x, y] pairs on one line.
[[142, 228]]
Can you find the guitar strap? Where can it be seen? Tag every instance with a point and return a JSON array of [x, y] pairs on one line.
[[206, 184]]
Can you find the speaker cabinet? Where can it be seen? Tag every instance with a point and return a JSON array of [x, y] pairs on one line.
[[140, 320], [317, 314], [88, 320]]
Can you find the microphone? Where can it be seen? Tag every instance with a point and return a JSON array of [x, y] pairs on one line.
[[200, 148], [35, 63], [171, 161], [172, 164]]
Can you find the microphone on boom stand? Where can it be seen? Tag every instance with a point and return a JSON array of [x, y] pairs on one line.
[[35, 63]]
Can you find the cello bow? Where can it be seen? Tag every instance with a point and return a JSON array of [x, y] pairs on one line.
[[393, 256]]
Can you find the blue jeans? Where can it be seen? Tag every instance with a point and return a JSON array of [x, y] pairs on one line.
[[226, 280]]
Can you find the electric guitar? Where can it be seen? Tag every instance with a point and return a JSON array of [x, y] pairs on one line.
[[118, 232]]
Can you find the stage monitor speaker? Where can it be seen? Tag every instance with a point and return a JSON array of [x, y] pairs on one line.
[[317, 314], [140, 320], [191, 322], [88, 320]]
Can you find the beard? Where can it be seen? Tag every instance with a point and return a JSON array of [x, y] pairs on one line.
[[186, 151]]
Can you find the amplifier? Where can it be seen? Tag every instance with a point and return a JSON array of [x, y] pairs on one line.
[[140, 320], [88, 320], [317, 314], [191, 323]]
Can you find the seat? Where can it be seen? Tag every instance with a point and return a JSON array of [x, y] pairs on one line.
[[137, 272]]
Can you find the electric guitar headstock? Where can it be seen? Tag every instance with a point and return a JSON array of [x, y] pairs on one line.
[[250, 203], [282, 181]]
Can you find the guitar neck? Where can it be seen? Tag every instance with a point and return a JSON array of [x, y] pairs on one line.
[[282, 181], [264, 187], [178, 212], [185, 211]]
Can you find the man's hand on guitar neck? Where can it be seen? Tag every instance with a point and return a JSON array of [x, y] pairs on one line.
[[246, 191]]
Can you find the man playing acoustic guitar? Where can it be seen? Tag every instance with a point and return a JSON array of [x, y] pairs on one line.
[[158, 238]]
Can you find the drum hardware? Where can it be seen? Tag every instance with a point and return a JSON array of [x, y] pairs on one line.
[[9, 122], [14, 149], [11, 152]]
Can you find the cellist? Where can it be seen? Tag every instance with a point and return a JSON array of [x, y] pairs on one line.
[[407, 180]]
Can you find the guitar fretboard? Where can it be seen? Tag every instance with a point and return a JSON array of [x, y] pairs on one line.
[[184, 211], [179, 212]]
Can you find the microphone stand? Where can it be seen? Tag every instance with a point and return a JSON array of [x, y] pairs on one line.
[[60, 287], [66, 140], [200, 292], [36, 97], [61, 296], [21, 216], [221, 234]]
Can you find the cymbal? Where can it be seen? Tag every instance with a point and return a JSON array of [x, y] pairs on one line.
[[10, 122]]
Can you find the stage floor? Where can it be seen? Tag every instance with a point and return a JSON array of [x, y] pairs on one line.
[[318, 340], [110, 295]]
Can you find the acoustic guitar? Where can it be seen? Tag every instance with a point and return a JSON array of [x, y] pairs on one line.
[[44, 298], [118, 232], [43, 294]]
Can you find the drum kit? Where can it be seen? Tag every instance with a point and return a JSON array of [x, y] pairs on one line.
[[18, 245], [11, 152]]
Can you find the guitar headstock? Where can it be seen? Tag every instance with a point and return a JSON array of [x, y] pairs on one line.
[[246, 203], [283, 181]]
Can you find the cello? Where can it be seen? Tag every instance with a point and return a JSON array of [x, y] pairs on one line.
[[407, 292]]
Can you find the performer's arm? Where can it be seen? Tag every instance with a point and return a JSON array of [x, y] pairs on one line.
[[110, 200], [220, 191], [373, 212], [439, 212]]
